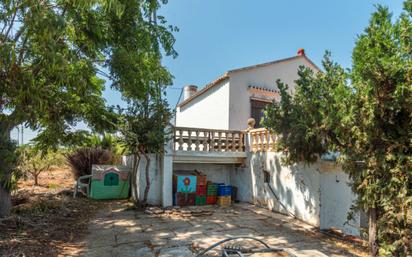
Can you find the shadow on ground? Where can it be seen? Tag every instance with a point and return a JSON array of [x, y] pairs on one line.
[[119, 231]]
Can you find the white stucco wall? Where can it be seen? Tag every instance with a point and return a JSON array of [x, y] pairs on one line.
[[155, 174], [318, 194], [209, 110], [336, 199], [266, 76], [297, 186], [217, 173]]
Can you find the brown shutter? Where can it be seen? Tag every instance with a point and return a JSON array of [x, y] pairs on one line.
[[257, 108]]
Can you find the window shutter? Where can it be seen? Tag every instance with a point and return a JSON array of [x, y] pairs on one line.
[[257, 108]]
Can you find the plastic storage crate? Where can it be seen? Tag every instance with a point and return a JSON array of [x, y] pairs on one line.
[[200, 190], [224, 190], [200, 200], [224, 201], [201, 180], [211, 189], [211, 199]]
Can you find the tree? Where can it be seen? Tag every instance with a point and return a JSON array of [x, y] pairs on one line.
[[144, 132], [51, 53], [34, 162], [365, 114]]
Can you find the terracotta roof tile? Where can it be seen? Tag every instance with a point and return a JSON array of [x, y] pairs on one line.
[[204, 89], [227, 76]]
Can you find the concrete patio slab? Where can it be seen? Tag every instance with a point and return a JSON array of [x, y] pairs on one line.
[[119, 231]]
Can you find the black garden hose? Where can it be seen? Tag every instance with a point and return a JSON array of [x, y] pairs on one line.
[[235, 238]]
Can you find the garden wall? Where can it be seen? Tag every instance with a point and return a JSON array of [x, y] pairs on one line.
[[318, 194], [155, 174]]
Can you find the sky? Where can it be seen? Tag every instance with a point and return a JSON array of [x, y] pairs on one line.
[[219, 35]]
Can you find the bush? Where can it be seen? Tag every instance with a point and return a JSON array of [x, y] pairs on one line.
[[108, 142], [82, 159]]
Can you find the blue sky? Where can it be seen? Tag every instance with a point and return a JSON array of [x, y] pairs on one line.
[[219, 35]]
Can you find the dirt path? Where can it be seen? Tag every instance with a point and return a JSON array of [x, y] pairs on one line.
[[119, 231]]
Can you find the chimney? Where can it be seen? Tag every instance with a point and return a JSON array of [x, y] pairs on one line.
[[188, 91], [301, 51]]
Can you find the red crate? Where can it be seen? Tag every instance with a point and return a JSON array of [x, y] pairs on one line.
[[211, 200], [201, 190], [201, 180]]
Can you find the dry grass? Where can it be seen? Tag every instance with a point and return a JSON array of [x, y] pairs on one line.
[[46, 220]]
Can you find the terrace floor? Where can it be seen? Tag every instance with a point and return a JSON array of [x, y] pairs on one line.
[[121, 231]]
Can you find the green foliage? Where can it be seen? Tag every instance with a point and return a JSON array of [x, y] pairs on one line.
[[8, 161], [145, 131], [105, 141], [144, 128], [54, 55], [308, 122], [366, 115], [52, 51], [34, 162]]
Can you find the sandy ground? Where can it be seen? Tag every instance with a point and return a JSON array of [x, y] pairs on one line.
[[46, 220]]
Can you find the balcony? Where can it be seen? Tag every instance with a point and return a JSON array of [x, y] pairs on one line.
[[197, 145]]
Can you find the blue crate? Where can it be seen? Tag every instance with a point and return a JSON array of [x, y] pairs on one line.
[[224, 190]]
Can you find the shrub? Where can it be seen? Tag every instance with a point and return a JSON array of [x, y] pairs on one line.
[[82, 159], [106, 141]]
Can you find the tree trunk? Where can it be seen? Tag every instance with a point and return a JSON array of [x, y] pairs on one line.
[[147, 175], [5, 201], [6, 164], [36, 179], [136, 161], [373, 231]]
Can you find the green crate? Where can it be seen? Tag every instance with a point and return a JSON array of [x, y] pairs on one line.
[[200, 200], [211, 189]]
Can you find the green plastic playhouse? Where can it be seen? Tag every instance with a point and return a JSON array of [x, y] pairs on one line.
[[110, 182]]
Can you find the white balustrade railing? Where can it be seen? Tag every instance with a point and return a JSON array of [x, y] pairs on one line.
[[262, 140], [210, 140], [213, 140]]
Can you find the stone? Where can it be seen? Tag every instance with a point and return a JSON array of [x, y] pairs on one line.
[[100, 240], [133, 251], [133, 233], [177, 251], [158, 242], [98, 252]]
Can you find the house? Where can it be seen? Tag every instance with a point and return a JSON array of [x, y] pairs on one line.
[[237, 95], [211, 135]]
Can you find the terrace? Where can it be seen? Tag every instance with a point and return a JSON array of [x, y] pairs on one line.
[[197, 145]]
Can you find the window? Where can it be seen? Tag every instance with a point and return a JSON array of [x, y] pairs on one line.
[[257, 108]]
